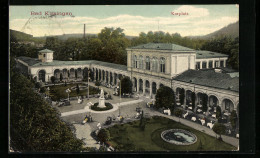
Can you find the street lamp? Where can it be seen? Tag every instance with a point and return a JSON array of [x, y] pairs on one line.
[[88, 82]]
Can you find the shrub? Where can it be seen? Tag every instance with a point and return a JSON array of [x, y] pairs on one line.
[[219, 128], [104, 135], [178, 112], [233, 119], [96, 108]]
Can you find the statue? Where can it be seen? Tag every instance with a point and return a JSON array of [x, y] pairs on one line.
[[102, 93], [101, 103]]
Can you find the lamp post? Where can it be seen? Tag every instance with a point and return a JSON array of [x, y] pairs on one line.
[[88, 82]]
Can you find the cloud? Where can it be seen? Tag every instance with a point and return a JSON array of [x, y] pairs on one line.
[[193, 12], [198, 22]]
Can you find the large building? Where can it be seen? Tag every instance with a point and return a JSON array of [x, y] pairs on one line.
[[150, 66]]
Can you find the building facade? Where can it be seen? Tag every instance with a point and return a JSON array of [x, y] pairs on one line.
[[150, 66]]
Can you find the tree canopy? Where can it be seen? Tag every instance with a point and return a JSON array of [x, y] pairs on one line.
[[165, 97], [34, 125], [126, 84]]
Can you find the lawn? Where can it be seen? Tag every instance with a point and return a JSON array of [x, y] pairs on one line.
[[129, 137], [57, 92]]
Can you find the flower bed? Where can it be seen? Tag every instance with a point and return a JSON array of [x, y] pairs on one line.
[[96, 108]]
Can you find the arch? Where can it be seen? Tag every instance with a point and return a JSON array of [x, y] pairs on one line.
[[107, 76], [57, 74], [85, 73], [147, 86], [42, 75], [79, 72], [135, 84], [96, 75], [99, 74], [65, 73], [115, 79], [154, 88], [227, 105], [213, 100], [111, 78], [103, 75], [72, 73], [188, 96], [140, 85]]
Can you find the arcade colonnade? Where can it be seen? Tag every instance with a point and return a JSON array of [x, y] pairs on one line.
[[145, 85]]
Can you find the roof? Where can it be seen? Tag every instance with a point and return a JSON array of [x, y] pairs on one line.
[[162, 46], [35, 63], [201, 54], [210, 78], [45, 51]]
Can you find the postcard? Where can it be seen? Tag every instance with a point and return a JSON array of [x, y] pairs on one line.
[[124, 78]]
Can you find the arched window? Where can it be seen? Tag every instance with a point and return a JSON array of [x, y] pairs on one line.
[[147, 63], [162, 65], [141, 62], [155, 64], [135, 62]]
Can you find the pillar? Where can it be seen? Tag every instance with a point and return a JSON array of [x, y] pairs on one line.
[[151, 89], [137, 87], [143, 87]]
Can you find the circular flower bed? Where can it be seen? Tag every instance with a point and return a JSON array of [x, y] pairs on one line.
[[178, 137], [96, 108]]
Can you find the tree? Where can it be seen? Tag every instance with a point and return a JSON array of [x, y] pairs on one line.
[[219, 129], [38, 85], [233, 119], [142, 122], [103, 135], [178, 112], [193, 98], [53, 79], [77, 89], [34, 125], [126, 85], [204, 102], [182, 96], [165, 97], [218, 112]]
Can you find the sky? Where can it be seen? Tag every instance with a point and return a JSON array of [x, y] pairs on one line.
[[188, 20]]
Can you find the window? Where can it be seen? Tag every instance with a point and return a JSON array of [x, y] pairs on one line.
[[135, 62], [210, 64], [141, 62], [43, 55], [155, 64], [162, 65], [204, 65], [197, 65], [222, 63], [147, 63]]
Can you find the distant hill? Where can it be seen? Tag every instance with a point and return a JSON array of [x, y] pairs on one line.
[[231, 30], [20, 36], [24, 37]]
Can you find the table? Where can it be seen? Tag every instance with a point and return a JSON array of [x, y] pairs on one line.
[[214, 115], [199, 110], [199, 105], [193, 118], [226, 113], [202, 122], [190, 107]]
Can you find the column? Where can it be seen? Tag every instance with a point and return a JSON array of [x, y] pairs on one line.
[[201, 65], [225, 61], [94, 75], [151, 89], [108, 77], [207, 65], [143, 87], [213, 64], [137, 87]]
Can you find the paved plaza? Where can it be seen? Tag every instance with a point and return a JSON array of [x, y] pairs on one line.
[[75, 113]]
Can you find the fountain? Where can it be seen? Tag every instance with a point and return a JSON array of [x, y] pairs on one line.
[[101, 103], [178, 137]]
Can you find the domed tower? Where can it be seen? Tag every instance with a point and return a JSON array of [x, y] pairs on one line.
[[45, 55]]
